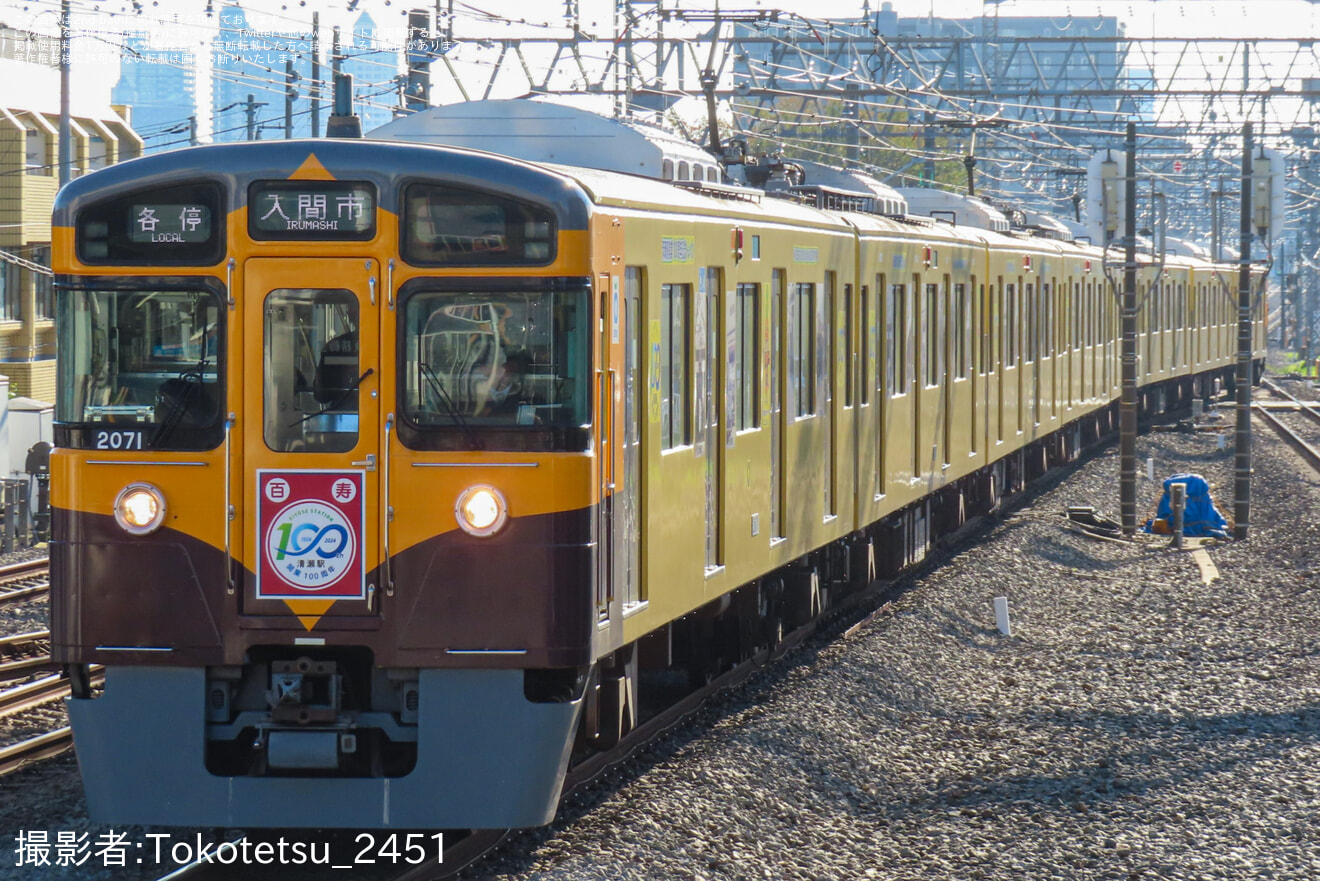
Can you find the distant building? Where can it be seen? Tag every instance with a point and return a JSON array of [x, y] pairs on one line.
[[926, 72], [29, 177], [1015, 65], [257, 63], [160, 85], [373, 71]]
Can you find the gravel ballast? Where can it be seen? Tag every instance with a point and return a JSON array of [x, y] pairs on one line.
[[1137, 724]]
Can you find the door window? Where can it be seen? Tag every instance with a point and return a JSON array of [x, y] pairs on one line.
[[311, 371]]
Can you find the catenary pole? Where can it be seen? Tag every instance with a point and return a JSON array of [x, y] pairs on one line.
[[1242, 452], [1127, 406]]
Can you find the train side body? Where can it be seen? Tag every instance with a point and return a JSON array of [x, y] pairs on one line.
[[436, 482]]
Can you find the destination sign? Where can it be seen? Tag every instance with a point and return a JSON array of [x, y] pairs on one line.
[[312, 210], [175, 225], [161, 223]]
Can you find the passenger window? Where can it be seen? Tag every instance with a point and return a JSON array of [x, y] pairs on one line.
[[675, 355]]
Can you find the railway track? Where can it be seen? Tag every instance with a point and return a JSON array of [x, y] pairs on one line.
[[24, 653], [25, 697], [479, 843], [23, 581], [1272, 414], [463, 848]]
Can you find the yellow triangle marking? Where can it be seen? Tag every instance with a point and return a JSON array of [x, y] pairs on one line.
[[309, 611], [311, 169]]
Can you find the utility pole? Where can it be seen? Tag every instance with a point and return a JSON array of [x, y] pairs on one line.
[[1307, 293], [66, 134], [314, 90], [851, 135], [290, 93], [1215, 234], [252, 105], [1127, 407], [343, 122], [418, 96], [928, 147], [448, 18], [1284, 295], [1242, 450], [192, 131]]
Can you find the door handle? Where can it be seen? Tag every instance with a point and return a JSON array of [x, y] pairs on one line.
[[368, 463], [609, 403], [385, 501], [229, 511]]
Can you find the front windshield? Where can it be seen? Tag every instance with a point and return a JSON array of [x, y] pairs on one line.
[[145, 362], [496, 360]]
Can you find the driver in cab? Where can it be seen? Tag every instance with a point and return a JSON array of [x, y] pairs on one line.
[[503, 391]]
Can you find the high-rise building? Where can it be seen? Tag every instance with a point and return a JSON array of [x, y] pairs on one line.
[[902, 92], [373, 70], [1029, 68], [246, 62], [254, 71], [160, 85]]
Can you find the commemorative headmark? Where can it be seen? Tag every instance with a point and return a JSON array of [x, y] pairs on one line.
[[311, 534]]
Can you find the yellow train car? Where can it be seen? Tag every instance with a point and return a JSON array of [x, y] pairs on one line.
[[387, 472]]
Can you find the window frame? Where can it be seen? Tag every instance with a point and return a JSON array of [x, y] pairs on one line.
[[510, 438], [407, 248], [747, 347], [81, 435], [675, 436]]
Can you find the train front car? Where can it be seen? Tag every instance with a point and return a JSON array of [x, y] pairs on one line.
[[325, 490]]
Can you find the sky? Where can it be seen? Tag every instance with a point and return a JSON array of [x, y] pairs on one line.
[[184, 24]]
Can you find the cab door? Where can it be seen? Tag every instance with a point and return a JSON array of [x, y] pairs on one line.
[[310, 439]]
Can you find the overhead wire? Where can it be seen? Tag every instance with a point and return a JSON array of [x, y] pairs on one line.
[[923, 98]]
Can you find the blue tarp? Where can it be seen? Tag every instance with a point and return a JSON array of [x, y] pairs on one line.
[[1200, 517]]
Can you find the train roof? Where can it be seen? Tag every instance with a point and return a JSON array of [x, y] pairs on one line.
[[569, 191], [962, 210], [544, 132], [611, 189], [387, 165]]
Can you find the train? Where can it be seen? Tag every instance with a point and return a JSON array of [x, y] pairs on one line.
[[390, 474]]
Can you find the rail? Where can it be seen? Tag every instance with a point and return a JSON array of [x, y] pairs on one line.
[[43, 746], [1291, 437], [24, 653], [25, 697], [23, 581]]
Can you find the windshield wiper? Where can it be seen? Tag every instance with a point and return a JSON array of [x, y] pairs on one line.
[[339, 399], [450, 407], [178, 404]]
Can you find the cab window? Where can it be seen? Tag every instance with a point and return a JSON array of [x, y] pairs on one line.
[[496, 369], [140, 369]]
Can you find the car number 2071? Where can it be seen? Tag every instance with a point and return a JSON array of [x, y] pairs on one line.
[[119, 440]]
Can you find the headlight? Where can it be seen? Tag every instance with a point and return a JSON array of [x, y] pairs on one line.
[[481, 510], [139, 509]]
